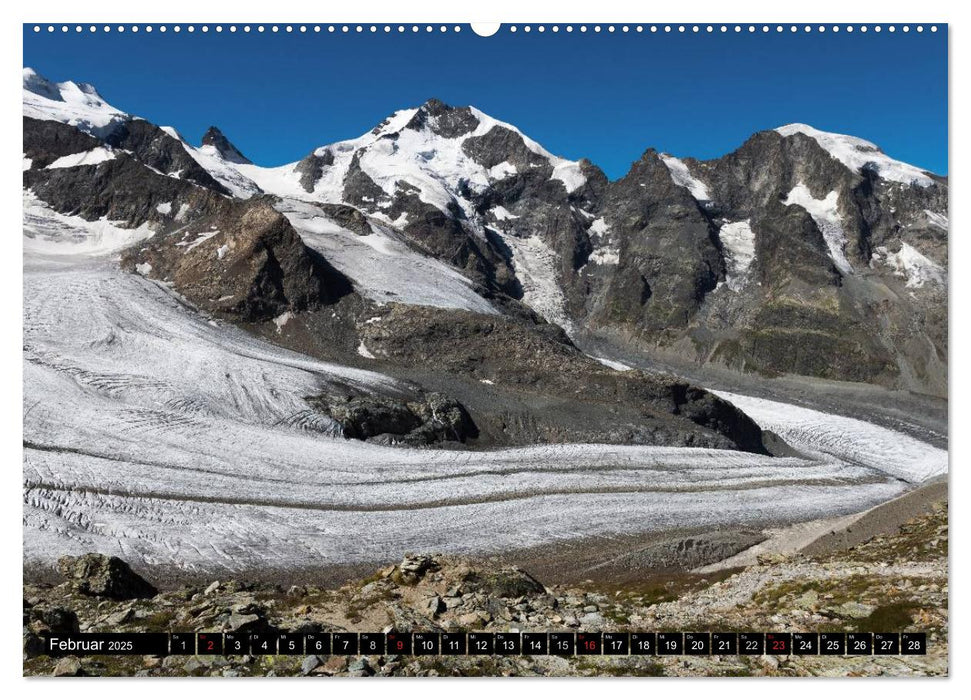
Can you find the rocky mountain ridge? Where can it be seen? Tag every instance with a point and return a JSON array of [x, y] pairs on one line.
[[801, 252]]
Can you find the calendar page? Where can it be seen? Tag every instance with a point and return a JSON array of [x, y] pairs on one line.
[[497, 350]]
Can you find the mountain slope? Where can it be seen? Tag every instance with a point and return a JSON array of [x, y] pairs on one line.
[[325, 270], [827, 291], [800, 252]]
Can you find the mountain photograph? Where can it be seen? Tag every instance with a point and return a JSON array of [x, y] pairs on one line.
[[706, 392]]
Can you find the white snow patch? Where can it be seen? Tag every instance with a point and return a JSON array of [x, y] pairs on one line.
[[487, 381], [284, 181], [398, 223], [144, 269], [502, 170], [171, 131], [27, 163], [281, 320], [568, 172], [51, 233], [738, 243], [605, 256], [199, 240], [613, 364], [96, 155], [382, 265], [222, 250], [910, 263], [226, 173], [598, 227], [857, 154], [364, 352], [164, 208], [503, 214], [936, 219], [682, 176], [825, 213]]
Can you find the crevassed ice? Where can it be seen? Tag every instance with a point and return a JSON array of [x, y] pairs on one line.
[[535, 266], [738, 243]]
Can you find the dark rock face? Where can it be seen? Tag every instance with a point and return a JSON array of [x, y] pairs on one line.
[[245, 262], [159, 150], [215, 138], [425, 420], [130, 188], [237, 258], [43, 621], [121, 190], [502, 145], [537, 360], [668, 258], [803, 314], [311, 168], [55, 620], [104, 576], [444, 120], [46, 141], [350, 218]]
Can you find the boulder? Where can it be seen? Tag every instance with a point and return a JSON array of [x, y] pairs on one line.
[[309, 664], [413, 567], [104, 576], [55, 620], [33, 645], [427, 419], [68, 666], [506, 582]]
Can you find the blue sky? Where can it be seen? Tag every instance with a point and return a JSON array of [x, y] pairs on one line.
[[603, 96]]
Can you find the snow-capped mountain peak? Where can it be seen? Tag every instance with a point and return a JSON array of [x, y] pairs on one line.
[[39, 85], [443, 154], [215, 140], [77, 104], [858, 154]]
